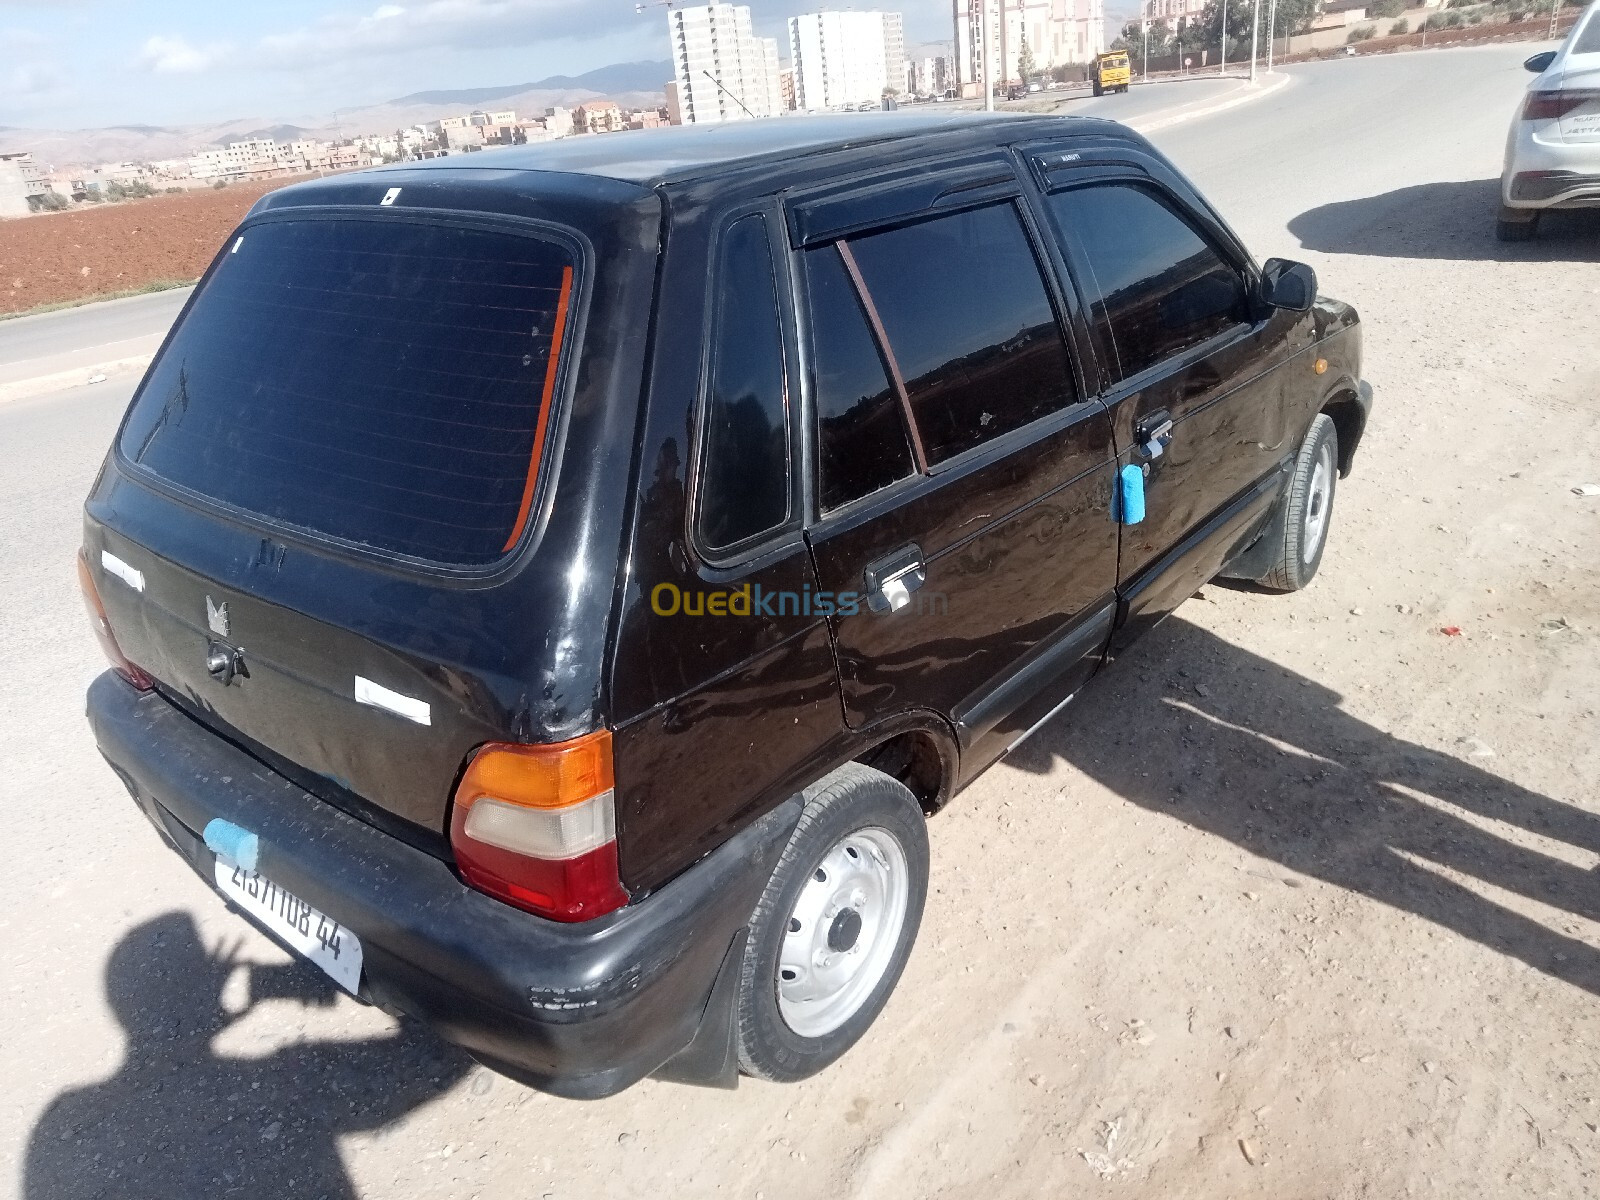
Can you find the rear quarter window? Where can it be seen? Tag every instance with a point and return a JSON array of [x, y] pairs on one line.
[[383, 382]]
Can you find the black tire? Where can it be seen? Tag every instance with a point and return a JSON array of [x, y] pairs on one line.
[[1515, 225], [1309, 515], [852, 801], [1098, 90]]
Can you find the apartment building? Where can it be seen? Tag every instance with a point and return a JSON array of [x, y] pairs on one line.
[[894, 51], [1057, 33], [22, 185], [599, 116], [839, 59], [929, 76], [723, 71], [1176, 13]]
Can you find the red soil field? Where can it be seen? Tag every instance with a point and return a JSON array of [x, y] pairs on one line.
[[98, 250]]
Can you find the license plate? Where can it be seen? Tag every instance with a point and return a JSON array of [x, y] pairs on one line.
[[308, 932]]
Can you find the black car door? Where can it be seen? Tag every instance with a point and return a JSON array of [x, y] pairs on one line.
[[1193, 365], [962, 529]]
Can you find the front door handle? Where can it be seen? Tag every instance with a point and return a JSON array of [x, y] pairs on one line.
[[890, 580]]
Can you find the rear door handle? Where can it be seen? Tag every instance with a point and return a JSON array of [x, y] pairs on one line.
[[1154, 433], [890, 580]]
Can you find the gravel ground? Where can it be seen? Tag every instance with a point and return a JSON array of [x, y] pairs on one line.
[[1301, 899]]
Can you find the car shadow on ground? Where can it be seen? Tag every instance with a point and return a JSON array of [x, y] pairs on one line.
[[178, 1120], [1443, 220], [1193, 727]]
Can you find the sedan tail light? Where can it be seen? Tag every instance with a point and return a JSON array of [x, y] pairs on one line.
[[102, 630], [1552, 106], [536, 826]]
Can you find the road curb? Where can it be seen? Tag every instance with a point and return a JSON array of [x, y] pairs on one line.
[[1247, 93], [40, 385]]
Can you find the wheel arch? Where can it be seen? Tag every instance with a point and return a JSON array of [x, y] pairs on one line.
[[1343, 406]]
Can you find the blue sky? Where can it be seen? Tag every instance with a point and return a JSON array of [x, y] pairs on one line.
[[84, 63]]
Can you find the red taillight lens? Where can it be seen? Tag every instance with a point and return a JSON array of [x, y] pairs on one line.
[[102, 630], [1552, 106], [535, 826]]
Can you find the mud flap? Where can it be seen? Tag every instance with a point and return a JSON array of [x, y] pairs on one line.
[[711, 1059]]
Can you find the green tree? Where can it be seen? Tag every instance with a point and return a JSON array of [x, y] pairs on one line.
[[1133, 39], [1205, 31], [1026, 69]]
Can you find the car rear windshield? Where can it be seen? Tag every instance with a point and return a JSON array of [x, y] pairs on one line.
[[385, 382]]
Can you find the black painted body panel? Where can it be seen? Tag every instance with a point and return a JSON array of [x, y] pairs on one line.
[[718, 720]]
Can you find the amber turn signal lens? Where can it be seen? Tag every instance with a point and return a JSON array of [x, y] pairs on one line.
[[1320, 366], [555, 776], [535, 826]]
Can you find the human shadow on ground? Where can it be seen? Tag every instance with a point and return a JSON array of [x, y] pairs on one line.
[[177, 1120], [1201, 730], [1443, 220]]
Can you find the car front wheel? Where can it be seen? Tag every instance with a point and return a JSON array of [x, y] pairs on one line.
[[835, 925], [1309, 512]]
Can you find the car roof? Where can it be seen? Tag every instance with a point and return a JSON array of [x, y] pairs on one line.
[[682, 152]]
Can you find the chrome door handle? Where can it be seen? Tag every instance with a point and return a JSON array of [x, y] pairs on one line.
[[1154, 434], [890, 581]]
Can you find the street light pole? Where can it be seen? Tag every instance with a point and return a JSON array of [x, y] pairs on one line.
[[983, 39], [1272, 32], [1255, 39], [1224, 68]]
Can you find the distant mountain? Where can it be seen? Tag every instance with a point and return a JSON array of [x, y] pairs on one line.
[[637, 84], [278, 133], [620, 77]]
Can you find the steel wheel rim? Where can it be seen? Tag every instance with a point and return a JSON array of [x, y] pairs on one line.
[[841, 935], [1319, 500]]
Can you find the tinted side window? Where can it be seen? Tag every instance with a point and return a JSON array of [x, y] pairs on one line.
[[971, 325], [861, 433], [744, 479], [1164, 287]]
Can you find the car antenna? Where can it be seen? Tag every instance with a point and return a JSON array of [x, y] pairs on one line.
[[730, 95]]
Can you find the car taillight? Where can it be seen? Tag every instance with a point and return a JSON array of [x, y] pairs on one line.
[[102, 630], [1552, 106], [536, 826]]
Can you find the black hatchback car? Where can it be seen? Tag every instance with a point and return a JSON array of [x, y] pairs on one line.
[[549, 588]]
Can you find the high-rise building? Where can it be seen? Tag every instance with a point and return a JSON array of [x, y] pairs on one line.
[[723, 71], [894, 51], [845, 58], [928, 76], [1057, 32]]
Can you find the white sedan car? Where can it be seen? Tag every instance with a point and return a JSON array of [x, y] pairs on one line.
[[1553, 154]]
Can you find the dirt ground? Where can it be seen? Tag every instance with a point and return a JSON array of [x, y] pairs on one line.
[[101, 249]]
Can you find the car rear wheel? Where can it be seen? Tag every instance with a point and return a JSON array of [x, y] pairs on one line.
[[1517, 225], [834, 927], [1310, 509]]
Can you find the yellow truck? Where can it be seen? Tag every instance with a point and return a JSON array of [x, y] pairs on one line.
[[1111, 72]]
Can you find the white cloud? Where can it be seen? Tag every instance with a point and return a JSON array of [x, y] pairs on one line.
[[177, 56], [444, 24]]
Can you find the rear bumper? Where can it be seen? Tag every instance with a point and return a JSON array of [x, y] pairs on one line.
[[577, 1010], [1541, 173]]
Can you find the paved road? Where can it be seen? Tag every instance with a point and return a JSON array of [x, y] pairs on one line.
[[63, 346], [1035, 1018]]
